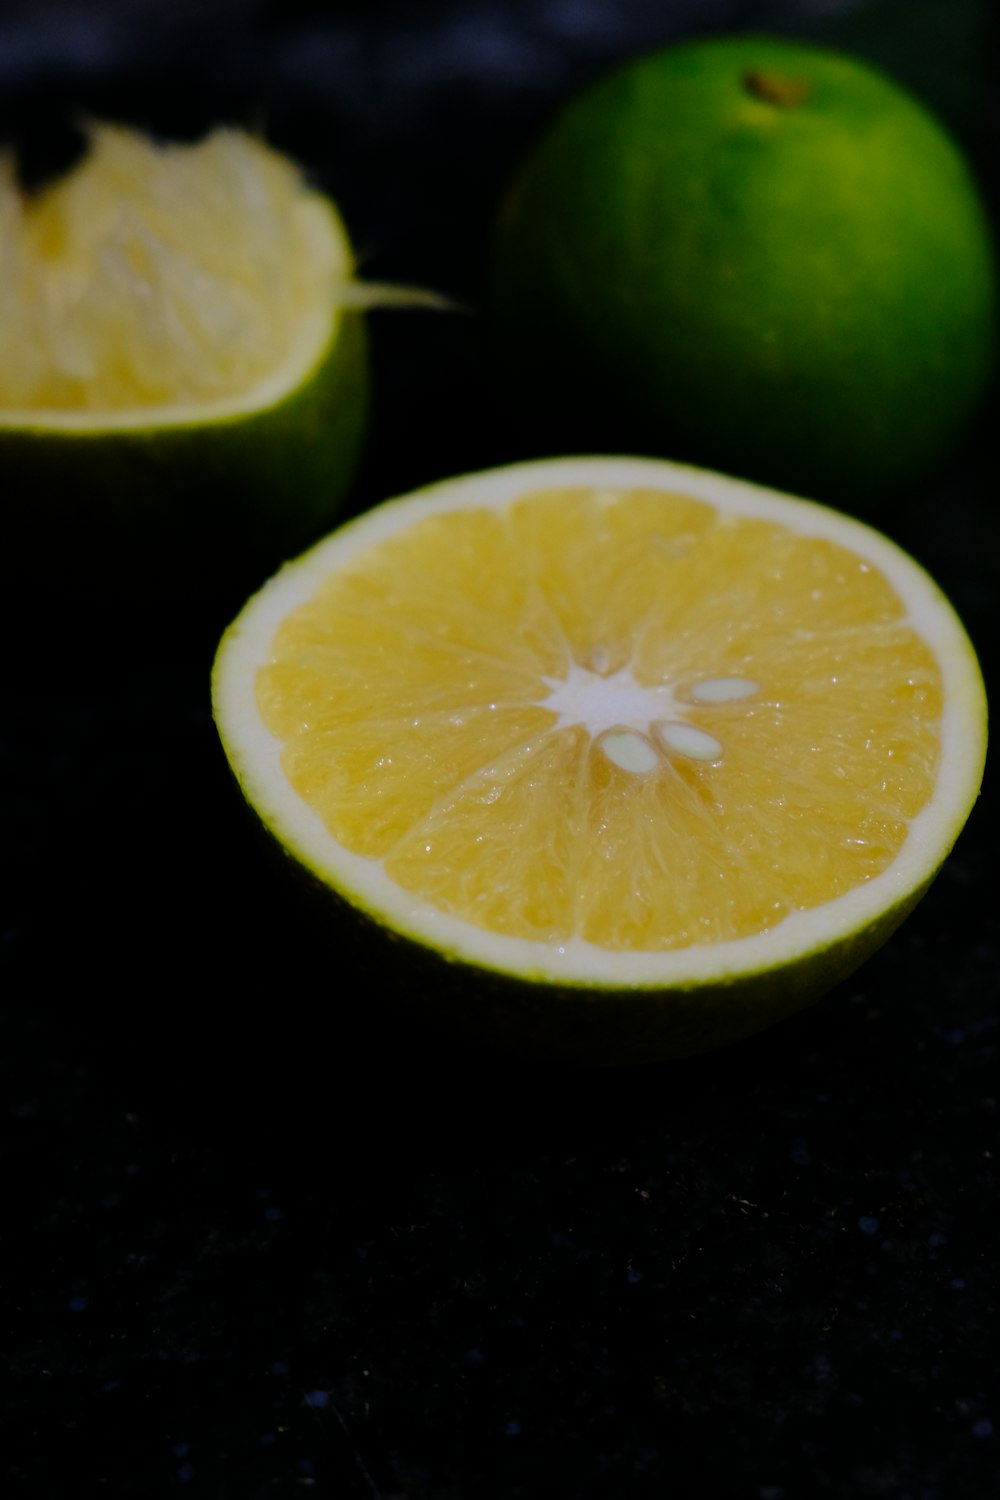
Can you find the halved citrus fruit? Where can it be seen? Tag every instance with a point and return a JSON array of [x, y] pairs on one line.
[[183, 373], [633, 759]]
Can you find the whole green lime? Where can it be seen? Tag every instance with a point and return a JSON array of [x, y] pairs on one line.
[[752, 253]]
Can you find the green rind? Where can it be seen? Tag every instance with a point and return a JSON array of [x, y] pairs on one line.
[[674, 268], [569, 1023], [199, 510]]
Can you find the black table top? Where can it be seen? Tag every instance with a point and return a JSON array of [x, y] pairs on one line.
[[260, 1240]]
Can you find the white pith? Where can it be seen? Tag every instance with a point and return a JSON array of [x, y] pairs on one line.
[[635, 722], [255, 753], [600, 702]]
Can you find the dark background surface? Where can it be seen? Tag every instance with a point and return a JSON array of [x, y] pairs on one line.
[[258, 1239]]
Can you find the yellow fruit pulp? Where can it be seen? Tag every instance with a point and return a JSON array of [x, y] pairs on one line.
[[620, 715], [159, 275]]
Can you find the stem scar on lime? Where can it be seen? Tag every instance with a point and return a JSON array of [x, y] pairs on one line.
[[776, 88]]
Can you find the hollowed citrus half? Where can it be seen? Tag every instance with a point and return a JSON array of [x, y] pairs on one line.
[[183, 380], [633, 759]]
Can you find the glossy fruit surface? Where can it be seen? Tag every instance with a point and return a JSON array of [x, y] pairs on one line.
[[756, 254]]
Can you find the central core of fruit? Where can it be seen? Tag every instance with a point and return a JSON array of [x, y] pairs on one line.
[[159, 275], [636, 723], [615, 715]]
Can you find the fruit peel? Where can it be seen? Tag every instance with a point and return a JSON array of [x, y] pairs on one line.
[[802, 294]]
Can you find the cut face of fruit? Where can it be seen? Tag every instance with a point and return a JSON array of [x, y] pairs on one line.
[[610, 724], [165, 277]]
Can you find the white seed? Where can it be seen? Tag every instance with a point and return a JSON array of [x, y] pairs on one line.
[[723, 689], [628, 750], [686, 739], [599, 661]]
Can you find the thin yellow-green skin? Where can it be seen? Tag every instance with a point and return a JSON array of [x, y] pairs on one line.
[[533, 1016], [199, 510]]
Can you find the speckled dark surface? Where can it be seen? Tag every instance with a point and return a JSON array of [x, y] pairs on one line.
[[260, 1239]]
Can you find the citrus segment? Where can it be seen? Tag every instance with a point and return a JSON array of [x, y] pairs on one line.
[[608, 723]]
